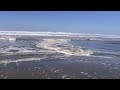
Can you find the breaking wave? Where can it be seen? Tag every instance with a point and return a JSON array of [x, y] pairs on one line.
[[63, 46], [67, 34]]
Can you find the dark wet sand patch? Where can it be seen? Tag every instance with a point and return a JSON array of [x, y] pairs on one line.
[[60, 69]]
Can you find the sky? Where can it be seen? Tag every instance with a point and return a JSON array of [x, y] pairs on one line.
[[98, 22]]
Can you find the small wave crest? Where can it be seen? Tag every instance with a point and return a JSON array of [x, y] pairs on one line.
[[63, 46]]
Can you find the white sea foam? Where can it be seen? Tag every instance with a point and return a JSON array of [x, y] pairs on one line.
[[67, 34], [103, 57], [7, 61], [10, 38], [20, 60], [15, 50], [63, 46]]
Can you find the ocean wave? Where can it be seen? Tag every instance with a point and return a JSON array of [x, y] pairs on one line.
[[66, 34], [63, 46]]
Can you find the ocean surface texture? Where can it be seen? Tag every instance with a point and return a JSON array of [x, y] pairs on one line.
[[59, 55]]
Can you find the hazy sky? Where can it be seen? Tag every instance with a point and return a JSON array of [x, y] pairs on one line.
[[105, 22]]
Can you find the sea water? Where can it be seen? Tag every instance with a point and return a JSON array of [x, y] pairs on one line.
[[60, 58]]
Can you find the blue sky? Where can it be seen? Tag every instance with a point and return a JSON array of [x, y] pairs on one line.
[[103, 22]]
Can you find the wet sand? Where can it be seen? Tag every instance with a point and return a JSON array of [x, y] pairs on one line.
[[64, 68]]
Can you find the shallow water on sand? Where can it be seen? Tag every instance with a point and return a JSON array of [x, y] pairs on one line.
[[38, 58]]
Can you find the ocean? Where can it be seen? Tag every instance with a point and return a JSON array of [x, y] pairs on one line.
[[59, 57]]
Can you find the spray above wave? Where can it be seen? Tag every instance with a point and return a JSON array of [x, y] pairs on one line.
[[63, 46]]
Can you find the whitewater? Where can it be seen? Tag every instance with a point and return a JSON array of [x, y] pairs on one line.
[[58, 55]]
